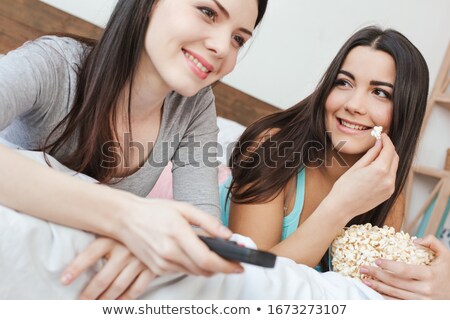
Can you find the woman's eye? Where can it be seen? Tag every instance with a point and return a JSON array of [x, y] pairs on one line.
[[382, 93], [342, 83], [209, 13], [239, 40]]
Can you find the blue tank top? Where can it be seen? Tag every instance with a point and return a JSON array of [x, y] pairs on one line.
[[290, 221]]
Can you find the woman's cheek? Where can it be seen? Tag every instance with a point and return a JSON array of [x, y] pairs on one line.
[[384, 118], [229, 65]]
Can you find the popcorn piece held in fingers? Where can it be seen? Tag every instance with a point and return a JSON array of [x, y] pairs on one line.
[[376, 132]]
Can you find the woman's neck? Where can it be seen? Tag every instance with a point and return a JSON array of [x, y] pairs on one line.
[[337, 164], [148, 92]]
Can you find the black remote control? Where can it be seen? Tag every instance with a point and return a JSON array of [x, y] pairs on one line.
[[230, 250]]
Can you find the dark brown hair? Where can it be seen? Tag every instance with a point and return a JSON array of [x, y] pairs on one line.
[[261, 174], [108, 66]]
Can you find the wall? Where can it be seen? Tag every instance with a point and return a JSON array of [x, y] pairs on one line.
[[298, 39]]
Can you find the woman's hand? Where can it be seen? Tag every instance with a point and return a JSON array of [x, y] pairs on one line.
[[403, 281], [123, 276], [160, 234], [369, 182]]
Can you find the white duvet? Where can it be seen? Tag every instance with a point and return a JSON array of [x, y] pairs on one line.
[[33, 254]]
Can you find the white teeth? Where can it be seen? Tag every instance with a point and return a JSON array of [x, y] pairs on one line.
[[196, 62], [353, 126]]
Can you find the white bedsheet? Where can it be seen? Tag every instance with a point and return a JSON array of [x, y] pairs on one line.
[[33, 254]]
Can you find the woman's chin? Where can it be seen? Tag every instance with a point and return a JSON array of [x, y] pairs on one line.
[[353, 152], [352, 147]]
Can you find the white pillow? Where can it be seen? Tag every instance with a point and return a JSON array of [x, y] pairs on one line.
[[34, 252], [229, 133]]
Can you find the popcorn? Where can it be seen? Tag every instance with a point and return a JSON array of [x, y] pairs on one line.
[[376, 132], [361, 245]]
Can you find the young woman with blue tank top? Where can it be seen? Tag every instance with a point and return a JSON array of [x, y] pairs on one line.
[[291, 219], [286, 206], [108, 108], [299, 176]]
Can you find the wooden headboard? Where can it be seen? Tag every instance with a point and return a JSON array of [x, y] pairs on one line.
[[23, 20]]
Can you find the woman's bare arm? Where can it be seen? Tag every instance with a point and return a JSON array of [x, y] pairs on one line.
[[369, 182], [158, 232]]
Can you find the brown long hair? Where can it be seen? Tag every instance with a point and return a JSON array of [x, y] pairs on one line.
[[261, 174], [108, 65]]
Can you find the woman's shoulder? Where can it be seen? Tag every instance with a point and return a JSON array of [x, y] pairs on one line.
[[190, 107], [55, 49]]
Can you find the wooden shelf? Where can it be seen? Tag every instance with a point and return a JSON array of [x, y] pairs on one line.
[[439, 197], [430, 172], [444, 101]]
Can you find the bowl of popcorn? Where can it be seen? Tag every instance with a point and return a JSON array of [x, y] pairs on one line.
[[361, 245]]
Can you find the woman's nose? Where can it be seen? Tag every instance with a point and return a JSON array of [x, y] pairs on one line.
[[356, 103], [219, 42]]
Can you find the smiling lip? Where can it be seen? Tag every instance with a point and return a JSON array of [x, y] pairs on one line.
[[352, 127], [198, 64]]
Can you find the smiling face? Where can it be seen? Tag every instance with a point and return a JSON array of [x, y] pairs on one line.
[[193, 43], [360, 99]]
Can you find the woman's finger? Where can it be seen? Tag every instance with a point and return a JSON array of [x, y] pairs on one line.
[[397, 277], [139, 286], [106, 276], [387, 290], [161, 266], [195, 248], [123, 280], [87, 258], [204, 258], [432, 243], [394, 166], [387, 154], [401, 270], [368, 157], [203, 220], [171, 251]]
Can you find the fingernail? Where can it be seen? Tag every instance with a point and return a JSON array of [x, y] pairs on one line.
[[378, 262], [238, 270], [66, 278], [418, 240], [367, 283], [363, 270]]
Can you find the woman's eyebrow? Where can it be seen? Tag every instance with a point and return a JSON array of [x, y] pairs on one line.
[[227, 15], [381, 83], [348, 74], [373, 82]]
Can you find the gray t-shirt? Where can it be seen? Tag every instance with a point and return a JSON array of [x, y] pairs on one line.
[[37, 88]]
